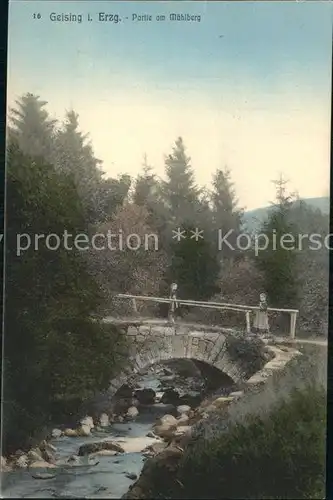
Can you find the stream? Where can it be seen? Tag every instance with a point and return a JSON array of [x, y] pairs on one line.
[[108, 478]]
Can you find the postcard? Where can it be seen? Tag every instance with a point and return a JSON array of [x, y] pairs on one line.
[[166, 249]]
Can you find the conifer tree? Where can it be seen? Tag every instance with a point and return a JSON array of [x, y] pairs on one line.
[[145, 186], [279, 261], [114, 192], [225, 211], [50, 295], [181, 193], [149, 193], [31, 127], [194, 266], [74, 155], [225, 204]]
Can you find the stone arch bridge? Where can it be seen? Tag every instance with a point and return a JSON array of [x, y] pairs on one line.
[[235, 355]]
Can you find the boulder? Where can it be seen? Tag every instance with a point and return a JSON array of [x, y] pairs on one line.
[[151, 434], [131, 475], [236, 394], [34, 455], [104, 420], [124, 392], [158, 396], [84, 431], [222, 401], [73, 459], [185, 437], [48, 456], [164, 426], [47, 451], [154, 449], [180, 431], [105, 453], [166, 420], [22, 462], [56, 433], [183, 420], [41, 464], [87, 421], [121, 405], [43, 475], [181, 409], [167, 372], [88, 448], [170, 396], [44, 445], [132, 413], [190, 400], [145, 396], [70, 433], [165, 432]]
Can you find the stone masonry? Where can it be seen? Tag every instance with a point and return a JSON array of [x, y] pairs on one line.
[[151, 343]]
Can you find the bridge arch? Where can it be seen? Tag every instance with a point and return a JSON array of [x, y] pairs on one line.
[[149, 345]]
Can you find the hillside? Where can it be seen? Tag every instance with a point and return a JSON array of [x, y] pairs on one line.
[[253, 219]]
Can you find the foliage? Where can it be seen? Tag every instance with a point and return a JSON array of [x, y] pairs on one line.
[[194, 267], [225, 213], [55, 183], [49, 335], [73, 154], [179, 190], [253, 354], [278, 455], [113, 193], [31, 128], [278, 261], [134, 264], [313, 269], [145, 185]]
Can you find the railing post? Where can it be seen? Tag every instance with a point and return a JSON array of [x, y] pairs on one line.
[[293, 317], [248, 323], [172, 312], [135, 309], [173, 303]]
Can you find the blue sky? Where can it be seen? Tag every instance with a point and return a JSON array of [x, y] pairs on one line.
[[256, 99]]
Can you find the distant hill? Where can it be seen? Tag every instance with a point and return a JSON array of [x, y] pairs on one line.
[[253, 219]]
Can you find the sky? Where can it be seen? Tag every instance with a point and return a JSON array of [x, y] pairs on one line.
[[247, 87]]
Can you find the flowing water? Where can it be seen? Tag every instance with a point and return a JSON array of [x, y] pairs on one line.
[[107, 479]]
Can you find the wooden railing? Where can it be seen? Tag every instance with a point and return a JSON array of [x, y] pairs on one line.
[[218, 306]]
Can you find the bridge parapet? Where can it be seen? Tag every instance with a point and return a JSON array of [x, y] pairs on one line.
[[243, 309]]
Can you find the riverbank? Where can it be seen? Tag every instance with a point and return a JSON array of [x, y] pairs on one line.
[[100, 458], [231, 440]]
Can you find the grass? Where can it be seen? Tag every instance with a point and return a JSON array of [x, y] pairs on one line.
[[278, 455]]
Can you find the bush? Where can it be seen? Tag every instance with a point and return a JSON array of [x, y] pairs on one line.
[[253, 354], [280, 455]]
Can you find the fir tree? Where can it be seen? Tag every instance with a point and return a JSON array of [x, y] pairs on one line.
[[74, 155], [50, 296], [279, 260], [181, 193], [31, 127], [114, 192], [225, 211], [194, 267], [149, 193], [145, 186]]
